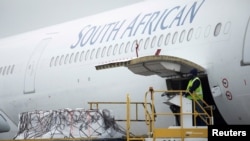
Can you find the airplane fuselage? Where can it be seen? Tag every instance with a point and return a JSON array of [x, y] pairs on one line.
[[54, 67]]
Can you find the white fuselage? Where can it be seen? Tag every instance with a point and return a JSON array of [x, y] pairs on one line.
[[54, 67]]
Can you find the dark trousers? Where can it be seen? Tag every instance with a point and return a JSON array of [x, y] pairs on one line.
[[198, 108]]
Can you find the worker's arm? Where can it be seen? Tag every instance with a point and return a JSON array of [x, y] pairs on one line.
[[195, 85]]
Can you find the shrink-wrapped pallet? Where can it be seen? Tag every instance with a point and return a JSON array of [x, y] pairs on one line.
[[67, 123]]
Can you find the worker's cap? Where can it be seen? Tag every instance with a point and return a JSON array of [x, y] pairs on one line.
[[193, 71]]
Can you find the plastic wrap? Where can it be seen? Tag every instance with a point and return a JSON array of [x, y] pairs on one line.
[[67, 123]]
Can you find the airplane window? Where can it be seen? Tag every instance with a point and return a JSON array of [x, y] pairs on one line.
[[115, 49], [76, 57], [217, 29], [61, 60], [87, 55], [98, 52], [182, 36], [8, 70], [51, 61], [190, 34], [160, 41], [198, 33], [12, 69], [71, 58], [103, 51], [175, 36], [167, 39], [133, 46], [66, 59], [127, 47], [81, 57], [92, 54], [121, 48], [109, 50], [146, 43], [56, 61], [4, 70], [207, 31], [140, 44], [153, 42]]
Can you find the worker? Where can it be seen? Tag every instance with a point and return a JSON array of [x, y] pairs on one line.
[[194, 88]]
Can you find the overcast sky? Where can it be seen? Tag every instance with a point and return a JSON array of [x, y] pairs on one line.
[[19, 16]]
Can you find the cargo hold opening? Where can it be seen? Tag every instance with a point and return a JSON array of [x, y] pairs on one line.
[[176, 72], [181, 83], [174, 69]]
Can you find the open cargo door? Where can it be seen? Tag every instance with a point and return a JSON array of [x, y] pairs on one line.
[[162, 65]]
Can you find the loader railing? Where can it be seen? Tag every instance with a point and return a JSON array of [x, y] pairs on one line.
[[179, 132], [127, 119]]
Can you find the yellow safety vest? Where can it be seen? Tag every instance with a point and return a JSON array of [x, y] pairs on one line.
[[198, 93]]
